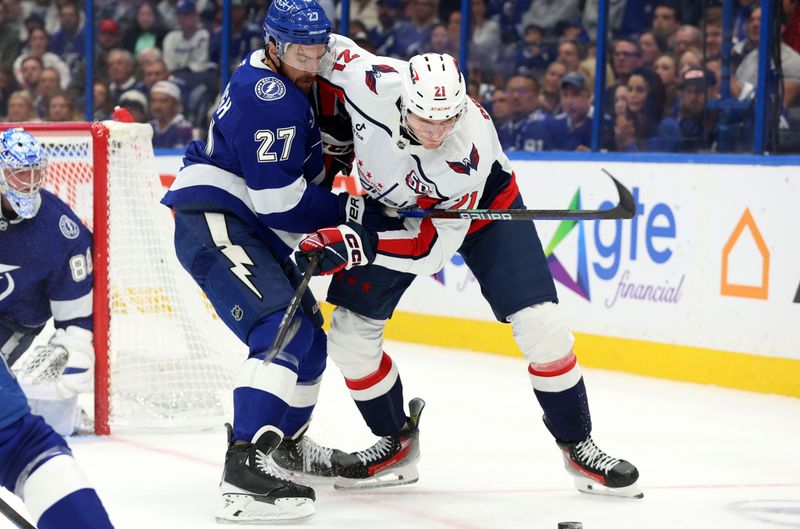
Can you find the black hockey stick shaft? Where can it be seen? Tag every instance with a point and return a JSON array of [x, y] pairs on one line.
[[15, 517], [286, 323], [625, 209]]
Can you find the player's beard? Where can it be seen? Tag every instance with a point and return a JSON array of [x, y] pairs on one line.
[[304, 82]]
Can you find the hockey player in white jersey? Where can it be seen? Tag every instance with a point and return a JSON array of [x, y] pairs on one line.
[[419, 140], [45, 271]]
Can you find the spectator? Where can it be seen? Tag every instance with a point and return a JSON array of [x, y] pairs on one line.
[[121, 66], [620, 100], [486, 41], [500, 109], [245, 35], [651, 131], [687, 37], [32, 21], [20, 107], [531, 56], [748, 44], [103, 105], [170, 129], [713, 33], [49, 84], [439, 41], [37, 47], [651, 49], [9, 39], [8, 85], [411, 34], [531, 124], [548, 13], [691, 58], [454, 30], [572, 130], [60, 107], [625, 57], [154, 72], [569, 54], [145, 32], [571, 29], [136, 103], [31, 68], [187, 47], [615, 13], [166, 8], [388, 11], [362, 39], [694, 122], [365, 11], [550, 97], [666, 69], [747, 72], [666, 21], [108, 38], [68, 42]]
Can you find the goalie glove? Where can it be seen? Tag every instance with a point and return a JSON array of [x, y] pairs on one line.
[[368, 212], [342, 247], [62, 368]]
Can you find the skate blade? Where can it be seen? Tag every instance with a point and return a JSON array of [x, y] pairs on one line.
[[246, 510], [589, 486], [403, 475]]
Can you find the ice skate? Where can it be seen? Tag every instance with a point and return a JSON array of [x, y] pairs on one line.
[[301, 456], [389, 462], [255, 490], [596, 472]]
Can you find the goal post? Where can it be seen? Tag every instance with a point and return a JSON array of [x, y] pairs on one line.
[[162, 357]]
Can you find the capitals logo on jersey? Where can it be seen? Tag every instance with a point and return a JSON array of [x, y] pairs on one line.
[[467, 164], [416, 184], [373, 74]]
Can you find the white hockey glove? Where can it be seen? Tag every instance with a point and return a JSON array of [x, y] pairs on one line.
[[62, 368], [368, 212]]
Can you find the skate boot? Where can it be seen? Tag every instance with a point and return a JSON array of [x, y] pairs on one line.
[[389, 462], [255, 490], [596, 472], [301, 456]]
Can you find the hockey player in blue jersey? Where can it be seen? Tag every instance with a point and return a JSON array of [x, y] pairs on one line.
[[45, 270], [243, 200]]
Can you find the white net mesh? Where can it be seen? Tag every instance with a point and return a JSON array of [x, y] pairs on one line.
[[171, 361]]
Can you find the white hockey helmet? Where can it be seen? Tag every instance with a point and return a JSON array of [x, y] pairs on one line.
[[433, 89]]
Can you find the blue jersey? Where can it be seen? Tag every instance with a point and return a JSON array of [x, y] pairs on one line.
[[262, 160], [533, 133], [45, 271]]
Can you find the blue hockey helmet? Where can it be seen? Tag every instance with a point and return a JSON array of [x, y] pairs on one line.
[[23, 164], [301, 23]]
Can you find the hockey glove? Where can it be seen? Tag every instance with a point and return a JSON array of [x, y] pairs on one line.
[[368, 212], [65, 365], [342, 247]]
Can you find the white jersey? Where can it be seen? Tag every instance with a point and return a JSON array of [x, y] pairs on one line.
[[401, 173]]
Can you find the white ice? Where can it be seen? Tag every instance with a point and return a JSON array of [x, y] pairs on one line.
[[708, 457]]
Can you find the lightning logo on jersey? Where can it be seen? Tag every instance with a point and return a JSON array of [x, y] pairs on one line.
[[467, 164], [5, 276], [373, 74]]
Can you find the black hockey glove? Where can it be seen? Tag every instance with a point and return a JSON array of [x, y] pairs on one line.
[[342, 247], [369, 213]]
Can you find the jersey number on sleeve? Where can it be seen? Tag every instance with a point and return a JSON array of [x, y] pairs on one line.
[[267, 138], [81, 266]]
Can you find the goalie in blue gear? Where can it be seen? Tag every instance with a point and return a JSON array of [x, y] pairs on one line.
[[35, 462], [243, 200]]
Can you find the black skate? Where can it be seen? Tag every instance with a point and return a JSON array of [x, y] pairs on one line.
[[255, 490], [301, 456], [389, 462], [596, 472]]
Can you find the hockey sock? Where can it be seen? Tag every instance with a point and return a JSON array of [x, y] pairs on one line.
[[306, 392], [379, 397], [560, 390], [58, 496], [263, 392]]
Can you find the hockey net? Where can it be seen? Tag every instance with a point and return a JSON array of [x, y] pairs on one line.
[[163, 358]]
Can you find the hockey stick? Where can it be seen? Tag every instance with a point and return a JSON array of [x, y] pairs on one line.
[[286, 325], [14, 516], [625, 209]]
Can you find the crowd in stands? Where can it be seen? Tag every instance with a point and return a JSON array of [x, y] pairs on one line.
[[531, 65]]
